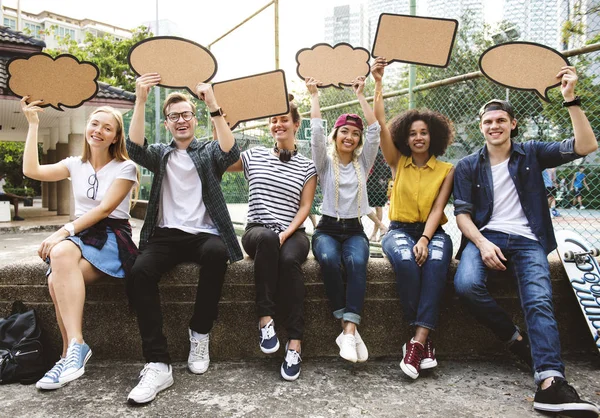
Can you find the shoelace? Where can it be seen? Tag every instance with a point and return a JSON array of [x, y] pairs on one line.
[[292, 357], [199, 347], [267, 332], [428, 350], [73, 356], [414, 354], [55, 371], [147, 376]]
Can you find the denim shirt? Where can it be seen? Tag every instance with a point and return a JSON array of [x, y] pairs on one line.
[[474, 188], [211, 162]]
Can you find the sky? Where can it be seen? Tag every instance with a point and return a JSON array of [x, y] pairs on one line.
[[248, 50]]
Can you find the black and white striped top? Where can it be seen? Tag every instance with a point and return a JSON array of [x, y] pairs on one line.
[[274, 187]]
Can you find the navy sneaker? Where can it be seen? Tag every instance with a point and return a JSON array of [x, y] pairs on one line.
[[562, 398], [268, 338], [290, 368], [77, 357]]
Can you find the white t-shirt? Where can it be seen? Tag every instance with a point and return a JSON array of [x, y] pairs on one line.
[[181, 205], [82, 182], [2, 183], [507, 215], [275, 187]]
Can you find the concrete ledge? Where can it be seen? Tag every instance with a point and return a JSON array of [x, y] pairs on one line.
[[111, 330]]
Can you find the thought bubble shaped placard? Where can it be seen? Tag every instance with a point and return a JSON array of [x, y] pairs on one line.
[[413, 39], [523, 66], [63, 81], [253, 97], [180, 62], [332, 66]]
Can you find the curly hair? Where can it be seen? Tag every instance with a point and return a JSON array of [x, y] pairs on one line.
[[441, 130]]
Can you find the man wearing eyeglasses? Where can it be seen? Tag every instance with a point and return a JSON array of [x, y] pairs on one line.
[[186, 220]]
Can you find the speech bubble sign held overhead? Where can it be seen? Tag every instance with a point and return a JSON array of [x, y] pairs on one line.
[[415, 39], [180, 62], [63, 81], [253, 97], [523, 66], [332, 66]]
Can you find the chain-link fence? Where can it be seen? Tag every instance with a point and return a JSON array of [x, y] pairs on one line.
[[458, 91]]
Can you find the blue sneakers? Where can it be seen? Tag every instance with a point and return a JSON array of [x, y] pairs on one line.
[[74, 367], [290, 368], [50, 380], [268, 338]]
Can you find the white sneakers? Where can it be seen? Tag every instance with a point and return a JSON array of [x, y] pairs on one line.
[[199, 358], [152, 381], [352, 347]]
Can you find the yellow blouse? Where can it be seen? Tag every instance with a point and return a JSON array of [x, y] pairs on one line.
[[415, 189]]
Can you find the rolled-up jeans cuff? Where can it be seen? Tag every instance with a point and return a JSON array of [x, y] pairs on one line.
[[539, 377], [352, 317], [339, 314]]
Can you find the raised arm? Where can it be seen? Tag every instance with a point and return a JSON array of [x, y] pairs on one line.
[[138, 120], [224, 135], [315, 108], [389, 150], [31, 163], [358, 85], [585, 140]]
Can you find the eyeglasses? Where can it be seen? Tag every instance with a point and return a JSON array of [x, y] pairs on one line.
[[93, 190], [174, 117]]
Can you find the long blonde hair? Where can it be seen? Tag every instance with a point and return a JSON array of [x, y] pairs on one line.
[[118, 150], [335, 158]]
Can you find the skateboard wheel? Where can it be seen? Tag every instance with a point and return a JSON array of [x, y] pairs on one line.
[[595, 252], [569, 256]]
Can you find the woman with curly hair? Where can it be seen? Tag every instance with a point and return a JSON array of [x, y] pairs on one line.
[[416, 245]]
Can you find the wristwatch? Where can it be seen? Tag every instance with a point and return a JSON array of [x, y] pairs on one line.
[[218, 112], [575, 102], [70, 228]]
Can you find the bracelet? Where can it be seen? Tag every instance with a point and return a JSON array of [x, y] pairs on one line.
[[575, 102], [426, 237]]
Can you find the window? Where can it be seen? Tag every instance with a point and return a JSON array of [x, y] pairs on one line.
[[62, 32], [10, 23], [34, 30]]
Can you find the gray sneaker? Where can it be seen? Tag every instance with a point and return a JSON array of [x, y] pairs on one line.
[[199, 357], [152, 381]]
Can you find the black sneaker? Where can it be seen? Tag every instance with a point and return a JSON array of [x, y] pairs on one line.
[[522, 349], [17, 218], [560, 397]]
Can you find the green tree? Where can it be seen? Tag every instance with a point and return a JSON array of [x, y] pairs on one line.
[[107, 52], [11, 163]]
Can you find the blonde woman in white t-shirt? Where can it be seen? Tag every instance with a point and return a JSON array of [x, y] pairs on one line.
[[98, 242]]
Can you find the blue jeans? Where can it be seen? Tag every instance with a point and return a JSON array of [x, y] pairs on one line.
[[336, 243], [528, 263], [420, 288]]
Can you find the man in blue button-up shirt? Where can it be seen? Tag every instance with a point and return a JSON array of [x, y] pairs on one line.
[[501, 209]]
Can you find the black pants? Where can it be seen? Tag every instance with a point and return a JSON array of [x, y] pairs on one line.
[[167, 248], [278, 275]]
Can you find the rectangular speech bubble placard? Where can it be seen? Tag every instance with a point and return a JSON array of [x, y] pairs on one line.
[[254, 97], [414, 39]]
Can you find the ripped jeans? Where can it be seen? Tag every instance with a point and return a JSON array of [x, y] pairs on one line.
[[420, 288]]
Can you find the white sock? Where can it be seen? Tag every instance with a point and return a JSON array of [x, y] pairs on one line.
[[163, 367], [199, 336]]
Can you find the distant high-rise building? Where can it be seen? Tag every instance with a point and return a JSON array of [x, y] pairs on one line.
[[377, 7], [538, 20], [347, 24]]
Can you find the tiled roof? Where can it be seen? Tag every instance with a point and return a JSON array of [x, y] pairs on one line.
[[7, 35]]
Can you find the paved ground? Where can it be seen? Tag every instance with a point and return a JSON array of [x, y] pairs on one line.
[[326, 388]]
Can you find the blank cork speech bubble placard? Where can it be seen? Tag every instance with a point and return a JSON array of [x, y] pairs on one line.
[[523, 66], [63, 81], [180, 62], [414, 39], [254, 97], [332, 66]]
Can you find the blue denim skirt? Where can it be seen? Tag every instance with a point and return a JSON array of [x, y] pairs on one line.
[[105, 259]]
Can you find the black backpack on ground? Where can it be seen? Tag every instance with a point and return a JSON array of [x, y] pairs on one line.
[[21, 349]]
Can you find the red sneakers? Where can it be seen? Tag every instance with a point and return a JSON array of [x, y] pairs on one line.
[[428, 361], [413, 352]]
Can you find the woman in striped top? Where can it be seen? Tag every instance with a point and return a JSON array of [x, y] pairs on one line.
[[416, 245], [282, 186], [343, 163]]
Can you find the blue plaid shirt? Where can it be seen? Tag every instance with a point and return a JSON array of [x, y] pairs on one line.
[[474, 188], [211, 162]]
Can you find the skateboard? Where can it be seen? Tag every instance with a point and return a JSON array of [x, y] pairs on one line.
[[578, 259]]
